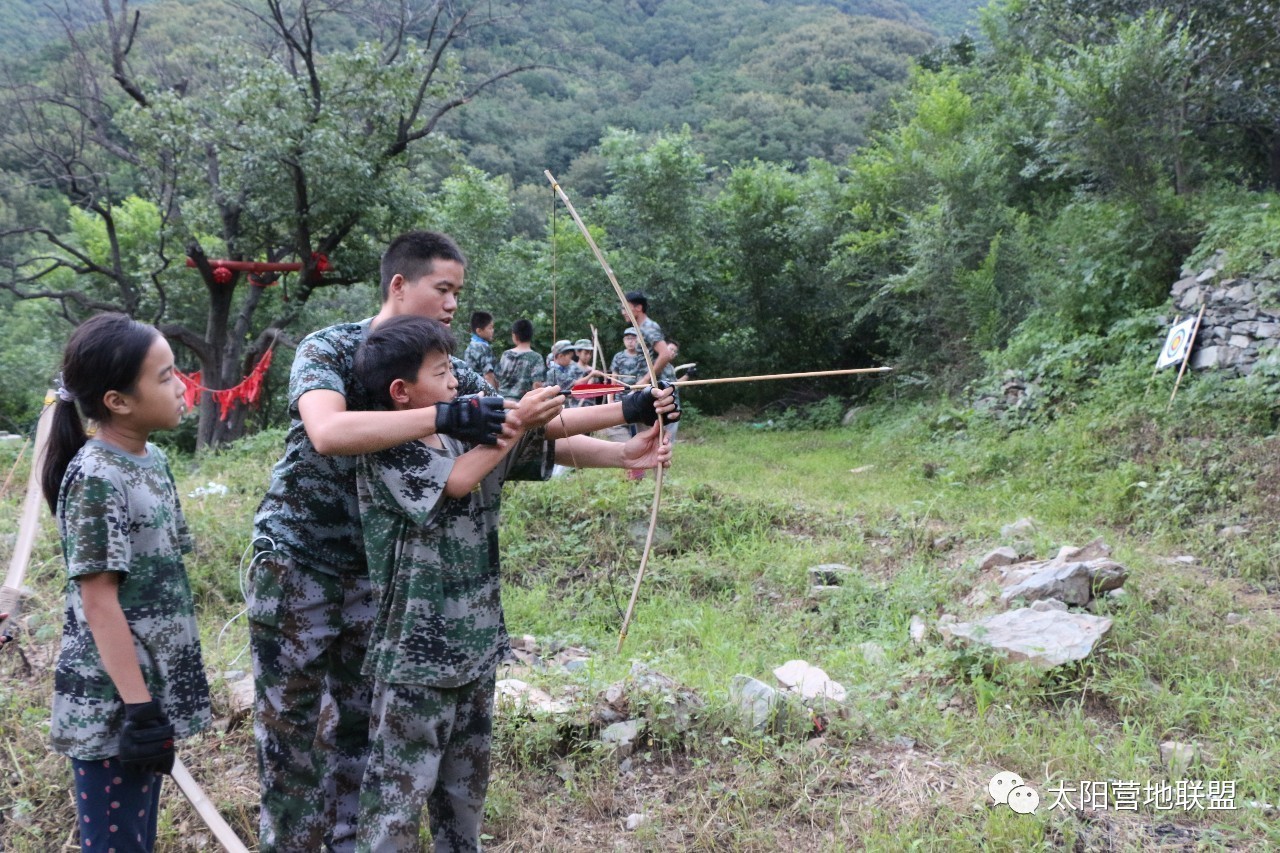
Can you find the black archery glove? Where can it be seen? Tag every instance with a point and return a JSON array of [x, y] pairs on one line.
[[146, 741], [473, 419], [639, 407]]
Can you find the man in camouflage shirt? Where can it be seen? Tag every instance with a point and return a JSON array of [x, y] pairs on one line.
[[521, 369], [662, 351], [309, 602], [479, 352]]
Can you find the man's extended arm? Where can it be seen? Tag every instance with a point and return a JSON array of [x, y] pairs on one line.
[[335, 431], [642, 451]]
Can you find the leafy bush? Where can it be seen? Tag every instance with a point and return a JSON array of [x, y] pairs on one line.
[[1243, 227], [1110, 258]]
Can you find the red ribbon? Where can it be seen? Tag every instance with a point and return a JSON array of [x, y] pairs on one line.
[[248, 391]]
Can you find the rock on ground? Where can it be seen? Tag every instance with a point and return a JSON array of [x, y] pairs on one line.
[[1044, 638]]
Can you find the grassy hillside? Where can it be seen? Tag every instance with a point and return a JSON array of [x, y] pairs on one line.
[[908, 497]]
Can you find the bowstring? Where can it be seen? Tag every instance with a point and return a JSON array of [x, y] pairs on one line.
[[554, 337]]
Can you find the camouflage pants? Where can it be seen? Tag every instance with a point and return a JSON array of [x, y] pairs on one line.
[[309, 632], [428, 745]]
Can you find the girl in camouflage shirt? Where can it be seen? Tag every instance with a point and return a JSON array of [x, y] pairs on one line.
[[129, 677]]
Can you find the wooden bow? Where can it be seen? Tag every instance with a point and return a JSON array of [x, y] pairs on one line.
[[653, 377]]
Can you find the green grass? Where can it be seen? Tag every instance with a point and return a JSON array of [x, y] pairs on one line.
[[909, 497]]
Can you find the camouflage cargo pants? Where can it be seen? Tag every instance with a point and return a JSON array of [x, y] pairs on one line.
[[309, 632], [428, 745]]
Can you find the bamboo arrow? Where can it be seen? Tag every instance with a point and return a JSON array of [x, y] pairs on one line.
[[683, 383], [587, 390]]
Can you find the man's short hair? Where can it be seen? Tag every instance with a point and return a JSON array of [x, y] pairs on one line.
[[480, 319], [636, 297], [413, 253], [523, 330], [395, 350]]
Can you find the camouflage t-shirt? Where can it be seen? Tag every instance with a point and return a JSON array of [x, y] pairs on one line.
[[120, 513], [650, 334], [310, 510], [628, 368], [479, 355], [563, 376], [517, 371], [433, 562]]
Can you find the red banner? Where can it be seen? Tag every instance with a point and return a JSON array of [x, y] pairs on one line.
[[247, 392]]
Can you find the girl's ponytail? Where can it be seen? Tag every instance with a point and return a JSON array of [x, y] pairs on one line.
[[105, 353], [66, 437]]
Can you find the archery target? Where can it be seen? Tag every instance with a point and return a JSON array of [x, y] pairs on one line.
[[1178, 344]]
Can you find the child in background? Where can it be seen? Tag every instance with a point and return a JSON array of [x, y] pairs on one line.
[[562, 372], [521, 369], [129, 677], [429, 511], [556, 347], [628, 364], [479, 352], [586, 372], [628, 367]]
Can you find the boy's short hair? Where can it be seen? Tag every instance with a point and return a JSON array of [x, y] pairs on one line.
[[636, 297], [480, 319], [413, 253], [395, 350], [523, 330]]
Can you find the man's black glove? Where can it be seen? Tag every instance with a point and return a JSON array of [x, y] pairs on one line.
[[638, 407], [474, 419], [146, 742]]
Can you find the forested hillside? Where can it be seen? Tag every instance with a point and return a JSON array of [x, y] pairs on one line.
[[787, 190]]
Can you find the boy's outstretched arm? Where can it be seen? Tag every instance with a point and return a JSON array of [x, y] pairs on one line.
[[472, 467], [643, 451], [591, 418]]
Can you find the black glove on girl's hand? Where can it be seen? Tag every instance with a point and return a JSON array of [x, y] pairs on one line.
[[474, 419], [146, 742], [638, 407]]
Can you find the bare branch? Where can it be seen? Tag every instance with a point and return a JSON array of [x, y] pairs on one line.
[[402, 142], [121, 34]]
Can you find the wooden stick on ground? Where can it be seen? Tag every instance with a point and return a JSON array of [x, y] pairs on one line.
[[29, 519], [208, 812]]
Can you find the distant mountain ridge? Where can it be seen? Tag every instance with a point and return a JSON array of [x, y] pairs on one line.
[[775, 80]]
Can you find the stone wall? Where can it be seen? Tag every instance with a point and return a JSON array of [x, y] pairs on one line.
[[1241, 322]]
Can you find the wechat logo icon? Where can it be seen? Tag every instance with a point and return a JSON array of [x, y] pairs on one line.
[[1008, 789]]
